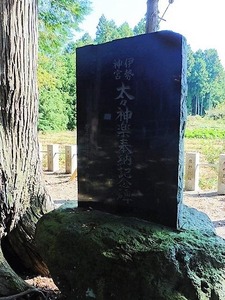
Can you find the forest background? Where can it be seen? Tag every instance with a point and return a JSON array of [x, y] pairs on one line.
[[58, 20]]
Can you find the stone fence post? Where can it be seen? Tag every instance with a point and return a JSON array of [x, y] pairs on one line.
[[71, 158], [53, 157], [192, 171], [221, 175]]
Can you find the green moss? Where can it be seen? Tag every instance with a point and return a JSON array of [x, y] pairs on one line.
[[130, 259]]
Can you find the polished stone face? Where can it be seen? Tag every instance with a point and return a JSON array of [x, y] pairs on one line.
[[131, 116]]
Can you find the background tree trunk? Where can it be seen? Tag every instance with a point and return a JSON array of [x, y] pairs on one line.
[[152, 16], [23, 199]]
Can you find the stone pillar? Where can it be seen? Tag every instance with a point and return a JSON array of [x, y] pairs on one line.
[[71, 158], [53, 157], [221, 175], [192, 171]]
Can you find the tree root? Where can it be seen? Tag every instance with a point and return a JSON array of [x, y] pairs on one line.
[[27, 292], [11, 283]]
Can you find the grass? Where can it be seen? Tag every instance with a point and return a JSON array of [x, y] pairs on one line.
[[209, 144], [205, 128], [61, 138], [196, 122], [203, 135], [210, 147]]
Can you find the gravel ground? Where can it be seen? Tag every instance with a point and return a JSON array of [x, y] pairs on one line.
[[210, 203], [60, 187]]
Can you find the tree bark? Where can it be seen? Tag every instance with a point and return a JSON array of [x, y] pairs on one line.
[[23, 198], [152, 16], [10, 282]]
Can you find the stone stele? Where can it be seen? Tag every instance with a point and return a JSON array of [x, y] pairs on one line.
[[131, 117]]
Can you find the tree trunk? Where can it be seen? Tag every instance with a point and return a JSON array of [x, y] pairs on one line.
[[23, 199], [152, 16], [10, 282], [193, 105]]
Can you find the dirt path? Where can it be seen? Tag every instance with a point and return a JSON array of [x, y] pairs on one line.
[[210, 203], [61, 189]]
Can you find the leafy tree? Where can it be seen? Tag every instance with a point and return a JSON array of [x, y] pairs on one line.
[[52, 106], [106, 31], [190, 60], [86, 39], [198, 84], [216, 74], [124, 30], [57, 21], [68, 82], [57, 92], [140, 27], [206, 81], [69, 89]]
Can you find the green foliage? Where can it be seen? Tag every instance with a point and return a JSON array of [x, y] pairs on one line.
[[57, 92], [52, 104], [69, 89], [56, 74], [124, 30], [206, 81], [86, 39], [205, 133], [52, 111], [197, 83], [57, 21], [106, 31], [205, 128], [140, 27], [206, 136]]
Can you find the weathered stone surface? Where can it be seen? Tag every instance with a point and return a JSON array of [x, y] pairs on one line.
[[96, 255]]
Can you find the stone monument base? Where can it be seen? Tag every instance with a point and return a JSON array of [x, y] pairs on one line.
[[96, 255]]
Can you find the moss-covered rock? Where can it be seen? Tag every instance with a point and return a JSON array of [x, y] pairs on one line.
[[95, 255]]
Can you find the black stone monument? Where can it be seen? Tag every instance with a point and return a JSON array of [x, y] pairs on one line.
[[131, 117]]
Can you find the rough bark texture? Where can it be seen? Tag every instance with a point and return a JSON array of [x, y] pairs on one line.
[[152, 18], [23, 199]]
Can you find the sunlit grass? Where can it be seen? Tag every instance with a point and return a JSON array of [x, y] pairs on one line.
[[61, 138], [209, 149], [195, 122]]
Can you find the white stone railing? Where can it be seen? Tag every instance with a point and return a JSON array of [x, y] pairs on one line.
[[192, 165], [53, 157]]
